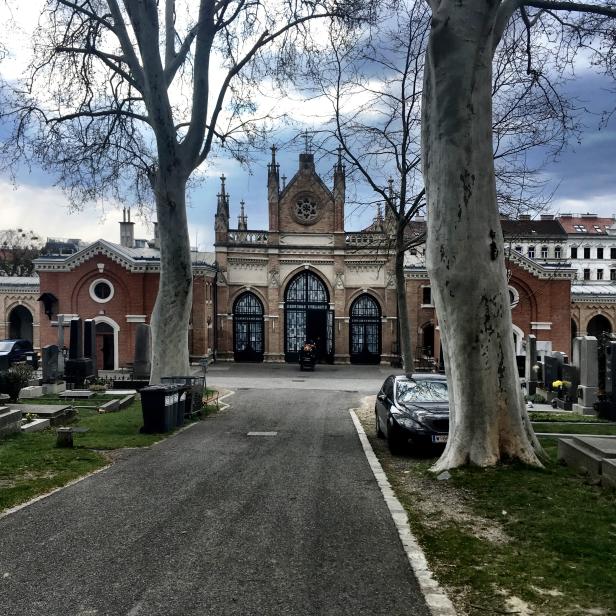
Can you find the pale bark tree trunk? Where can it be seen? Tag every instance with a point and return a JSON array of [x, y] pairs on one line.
[[406, 349], [171, 314], [488, 419]]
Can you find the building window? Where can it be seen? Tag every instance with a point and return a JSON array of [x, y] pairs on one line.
[[599, 253], [518, 249], [544, 252], [514, 297], [612, 253], [558, 252], [574, 252], [613, 274], [101, 291], [587, 253], [599, 274], [426, 296], [586, 274], [531, 252]]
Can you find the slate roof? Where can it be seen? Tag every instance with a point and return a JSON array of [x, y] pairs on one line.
[[19, 283], [533, 228], [134, 259]]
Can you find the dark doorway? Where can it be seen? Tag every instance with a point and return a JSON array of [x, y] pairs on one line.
[[365, 326], [105, 346], [598, 325], [20, 324], [248, 328], [307, 317]]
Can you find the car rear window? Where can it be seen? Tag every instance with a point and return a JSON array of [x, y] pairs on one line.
[[422, 391]]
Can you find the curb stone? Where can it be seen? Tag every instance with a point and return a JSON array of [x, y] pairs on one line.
[[438, 602]]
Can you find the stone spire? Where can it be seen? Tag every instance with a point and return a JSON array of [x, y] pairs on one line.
[[222, 212], [242, 219]]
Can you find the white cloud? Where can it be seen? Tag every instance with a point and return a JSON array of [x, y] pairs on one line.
[[603, 205], [45, 211]]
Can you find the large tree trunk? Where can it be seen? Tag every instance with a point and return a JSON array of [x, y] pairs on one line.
[[404, 325], [465, 260], [171, 314]]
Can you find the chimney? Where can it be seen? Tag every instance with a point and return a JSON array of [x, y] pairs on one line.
[[156, 236], [547, 216], [127, 230], [524, 217]]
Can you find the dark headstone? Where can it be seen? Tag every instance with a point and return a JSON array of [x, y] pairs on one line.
[[143, 352], [61, 345], [75, 350], [551, 371], [89, 343], [571, 375], [77, 370], [51, 369], [610, 369]]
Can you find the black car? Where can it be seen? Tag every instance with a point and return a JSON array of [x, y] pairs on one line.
[[413, 410], [17, 351]]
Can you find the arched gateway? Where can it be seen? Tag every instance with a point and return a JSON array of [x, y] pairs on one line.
[[365, 325], [248, 328], [308, 317]]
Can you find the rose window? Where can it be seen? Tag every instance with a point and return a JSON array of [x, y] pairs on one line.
[[306, 210]]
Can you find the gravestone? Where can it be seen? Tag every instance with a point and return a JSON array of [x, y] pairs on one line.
[[89, 343], [571, 375], [78, 367], [587, 357], [75, 349], [551, 371], [530, 373], [61, 344], [143, 352], [50, 363]]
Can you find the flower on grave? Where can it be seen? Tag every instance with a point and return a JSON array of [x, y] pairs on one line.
[[557, 384]]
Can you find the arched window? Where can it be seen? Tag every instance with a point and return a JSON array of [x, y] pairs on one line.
[[544, 252], [21, 323], [531, 252], [308, 317], [558, 252], [365, 331], [248, 329]]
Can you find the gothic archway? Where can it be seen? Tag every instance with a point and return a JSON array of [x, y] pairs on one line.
[[365, 331], [248, 330], [308, 317], [598, 325], [21, 324]]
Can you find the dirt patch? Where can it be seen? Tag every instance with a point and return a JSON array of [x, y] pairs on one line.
[[438, 502]]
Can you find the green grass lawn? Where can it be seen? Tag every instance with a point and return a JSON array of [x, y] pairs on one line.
[[573, 428], [507, 539], [30, 463]]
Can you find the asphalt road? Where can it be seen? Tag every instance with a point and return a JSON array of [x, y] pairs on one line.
[[213, 521]]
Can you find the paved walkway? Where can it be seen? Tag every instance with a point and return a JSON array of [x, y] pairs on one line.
[[216, 522]]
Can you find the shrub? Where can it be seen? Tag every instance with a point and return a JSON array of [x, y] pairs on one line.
[[535, 399], [13, 379]]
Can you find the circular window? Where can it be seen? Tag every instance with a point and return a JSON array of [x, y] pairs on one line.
[[514, 297], [306, 210], [101, 291]]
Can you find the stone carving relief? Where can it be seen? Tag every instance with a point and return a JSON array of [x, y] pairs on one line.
[[274, 278], [391, 280], [339, 281]]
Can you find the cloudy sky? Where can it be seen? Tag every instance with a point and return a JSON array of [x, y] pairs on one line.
[[583, 178]]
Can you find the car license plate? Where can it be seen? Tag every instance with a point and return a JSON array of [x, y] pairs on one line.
[[439, 438]]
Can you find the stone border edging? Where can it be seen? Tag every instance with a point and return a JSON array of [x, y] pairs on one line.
[[438, 602]]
